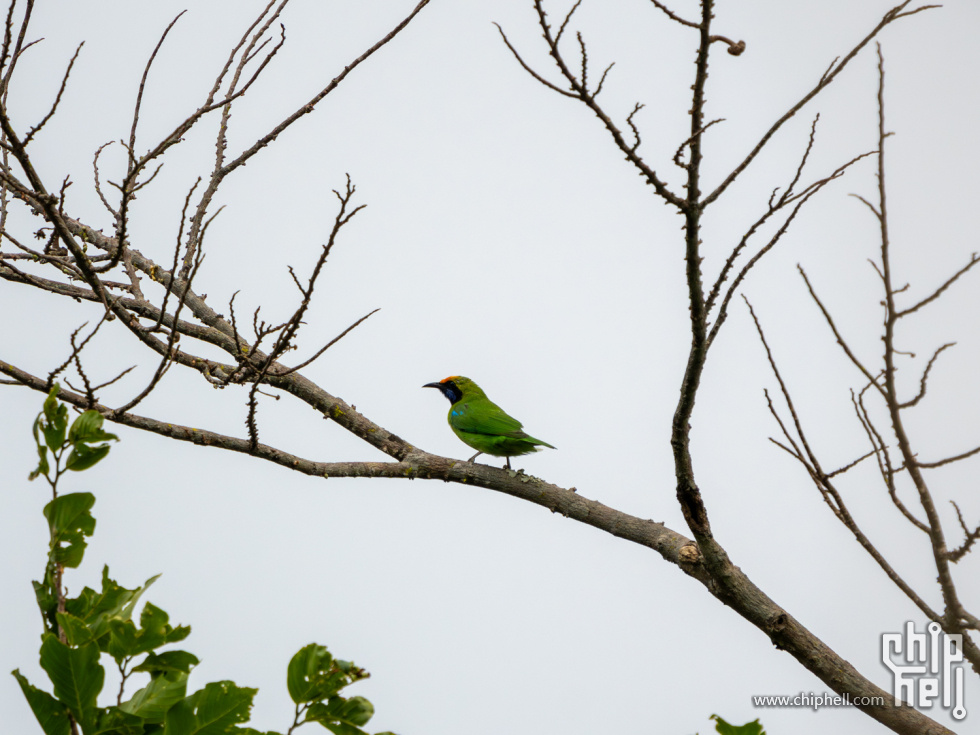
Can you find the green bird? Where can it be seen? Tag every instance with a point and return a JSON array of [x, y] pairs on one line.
[[483, 424]]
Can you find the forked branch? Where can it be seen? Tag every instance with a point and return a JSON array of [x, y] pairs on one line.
[[828, 77], [953, 618]]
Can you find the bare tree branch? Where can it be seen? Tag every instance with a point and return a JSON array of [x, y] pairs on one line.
[[332, 342], [57, 100], [925, 377], [948, 460], [529, 70], [79, 252], [971, 538], [788, 197], [840, 340], [939, 291], [579, 90], [673, 16], [822, 481], [828, 77]]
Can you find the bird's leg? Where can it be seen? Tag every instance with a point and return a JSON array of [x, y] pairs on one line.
[[508, 463], [474, 456]]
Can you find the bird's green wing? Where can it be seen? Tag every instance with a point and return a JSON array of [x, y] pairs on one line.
[[483, 417]]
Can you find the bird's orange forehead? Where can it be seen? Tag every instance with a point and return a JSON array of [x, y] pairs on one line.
[[451, 377]]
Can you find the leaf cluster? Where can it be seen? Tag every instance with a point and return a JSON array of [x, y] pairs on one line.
[[80, 631], [85, 440], [315, 679]]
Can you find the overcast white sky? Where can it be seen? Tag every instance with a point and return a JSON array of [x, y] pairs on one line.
[[505, 239]]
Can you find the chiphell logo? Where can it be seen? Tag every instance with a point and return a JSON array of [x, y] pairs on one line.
[[926, 668]]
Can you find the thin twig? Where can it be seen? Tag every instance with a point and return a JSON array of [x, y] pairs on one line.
[[925, 377], [529, 70], [829, 493], [939, 291], [690, 139], [850, 465], [98, 182], [564, 24], [800, 200], [330, 344], [970, 537], [57, 100], [828, 77], [840, 340], [948, 460]]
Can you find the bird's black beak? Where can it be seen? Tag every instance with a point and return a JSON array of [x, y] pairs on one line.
[[440, 386]]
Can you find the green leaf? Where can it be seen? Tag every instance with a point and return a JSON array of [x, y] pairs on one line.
[[155, 625], [55, 421], [88, 428], [342, 716], [130, 606], [113, 721], [178, 634], [210, 711], [50, 713], [71, 511], [306, 671], [85, 430], [749, 728], [70, 520], [76, 674], [152, 701], [122, 639], [168, 661], [113, 603], [314, 674], [83, 456], [42, 452], [81, 606], [76, 631], [46, 600], [127, 640]]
